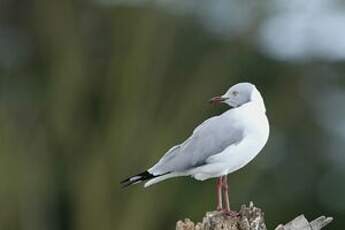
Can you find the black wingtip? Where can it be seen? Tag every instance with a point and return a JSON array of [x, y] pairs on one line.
[[136, 179], [124, 181]]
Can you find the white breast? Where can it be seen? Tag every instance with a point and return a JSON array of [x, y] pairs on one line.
[[256, 132]]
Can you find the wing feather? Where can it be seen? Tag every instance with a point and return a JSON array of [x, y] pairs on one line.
[[209, 138]]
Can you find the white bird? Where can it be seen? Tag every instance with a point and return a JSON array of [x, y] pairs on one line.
[[219, 146]]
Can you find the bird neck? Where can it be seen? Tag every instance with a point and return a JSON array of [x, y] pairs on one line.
[[257, 101]]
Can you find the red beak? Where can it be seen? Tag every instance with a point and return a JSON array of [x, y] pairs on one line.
[[216, 100]]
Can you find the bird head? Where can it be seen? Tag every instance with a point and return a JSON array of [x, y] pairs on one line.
[[238, 95]]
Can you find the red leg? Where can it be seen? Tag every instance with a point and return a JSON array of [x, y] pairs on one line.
[[226, 193], [219, 193], [227, 209]]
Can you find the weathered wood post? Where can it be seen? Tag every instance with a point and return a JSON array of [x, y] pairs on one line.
[[250, 218]]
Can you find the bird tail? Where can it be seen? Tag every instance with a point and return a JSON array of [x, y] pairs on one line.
[[160, 178], [152, 179], [136, 179]]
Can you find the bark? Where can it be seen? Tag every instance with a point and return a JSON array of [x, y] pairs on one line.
[[249, 218]]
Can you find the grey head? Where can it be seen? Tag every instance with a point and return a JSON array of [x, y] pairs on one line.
[[240, 94]]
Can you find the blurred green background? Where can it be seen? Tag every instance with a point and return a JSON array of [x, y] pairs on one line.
[[92, 92]]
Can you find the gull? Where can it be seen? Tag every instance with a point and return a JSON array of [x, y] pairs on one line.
[[217, 147]]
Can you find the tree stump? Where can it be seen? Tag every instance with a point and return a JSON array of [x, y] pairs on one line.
[[250, 218]]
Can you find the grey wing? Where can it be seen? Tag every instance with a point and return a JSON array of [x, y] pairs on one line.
[[209, 138]]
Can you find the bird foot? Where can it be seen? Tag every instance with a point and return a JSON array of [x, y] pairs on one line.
[[231, 213], [219, 209]]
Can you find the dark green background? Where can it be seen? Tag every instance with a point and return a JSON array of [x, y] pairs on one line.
[[91, 94]]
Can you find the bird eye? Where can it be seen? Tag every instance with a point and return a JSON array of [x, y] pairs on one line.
[[235, 93]]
